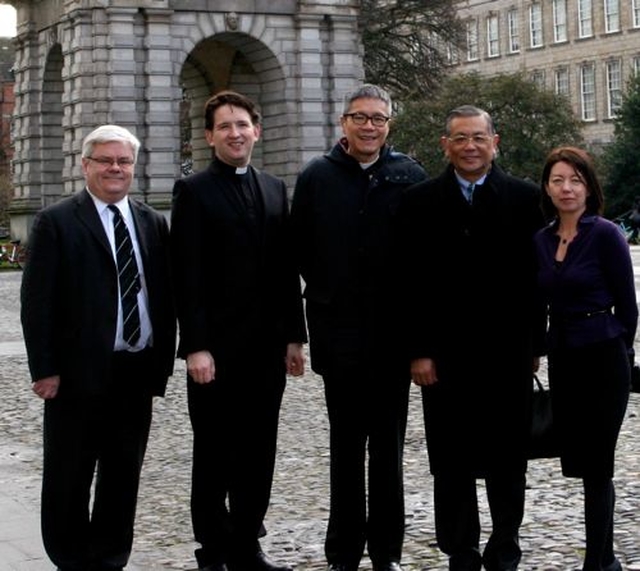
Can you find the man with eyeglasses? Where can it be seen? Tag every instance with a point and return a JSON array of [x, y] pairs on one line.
[[343, 218], [97, 354], [470, 323]]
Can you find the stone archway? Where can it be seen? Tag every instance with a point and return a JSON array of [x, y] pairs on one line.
[[229, 61], [149, 65]]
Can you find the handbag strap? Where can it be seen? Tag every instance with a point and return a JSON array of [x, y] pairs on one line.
[[536, 380]]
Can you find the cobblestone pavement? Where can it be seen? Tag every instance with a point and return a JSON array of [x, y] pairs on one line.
[[551, 536]]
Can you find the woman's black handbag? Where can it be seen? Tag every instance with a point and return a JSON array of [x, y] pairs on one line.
[[543, 442]]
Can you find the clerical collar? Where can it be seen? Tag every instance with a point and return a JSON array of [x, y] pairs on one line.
[[230, 169]]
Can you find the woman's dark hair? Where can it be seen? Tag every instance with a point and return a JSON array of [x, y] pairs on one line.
[[583, 164]]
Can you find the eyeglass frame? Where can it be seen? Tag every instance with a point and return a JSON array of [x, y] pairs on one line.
[[478, 139], [108, 163], [377, 117]]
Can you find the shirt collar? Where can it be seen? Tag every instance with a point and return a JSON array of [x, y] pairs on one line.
[[101, 205]]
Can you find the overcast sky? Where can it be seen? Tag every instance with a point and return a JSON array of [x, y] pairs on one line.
[[7, 21]]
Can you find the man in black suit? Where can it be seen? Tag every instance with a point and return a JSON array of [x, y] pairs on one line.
[[242, 330], [96, 367], [470, 326]]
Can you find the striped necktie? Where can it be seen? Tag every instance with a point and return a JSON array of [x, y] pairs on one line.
[[128, 277]]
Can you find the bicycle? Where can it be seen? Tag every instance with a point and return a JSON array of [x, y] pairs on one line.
[[12, 255]]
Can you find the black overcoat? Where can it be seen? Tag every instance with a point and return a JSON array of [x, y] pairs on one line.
[[470, 305]]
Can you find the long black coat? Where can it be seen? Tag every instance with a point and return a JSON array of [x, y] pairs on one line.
[[236, 285], [468, 276], [70, 296]]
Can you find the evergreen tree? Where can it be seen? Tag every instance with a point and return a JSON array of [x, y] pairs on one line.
[[620, 164], [530, 121]]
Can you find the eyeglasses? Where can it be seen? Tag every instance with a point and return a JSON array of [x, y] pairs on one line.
[[461, 140], [106, 162], [362, 119]]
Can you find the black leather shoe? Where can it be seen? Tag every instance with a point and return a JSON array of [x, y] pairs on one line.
[[341, 567], [214, 567], [258, 562], [390, 566]]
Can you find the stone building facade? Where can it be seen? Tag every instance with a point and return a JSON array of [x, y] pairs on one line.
[[584, 49], [149, 65]]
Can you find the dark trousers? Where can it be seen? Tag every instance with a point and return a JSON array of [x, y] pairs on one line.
[[367, 413], [235, 431], [106, 436], [458, 521]]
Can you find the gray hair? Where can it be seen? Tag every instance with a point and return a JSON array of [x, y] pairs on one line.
[[109, 134], [366, 91], [469, 111]]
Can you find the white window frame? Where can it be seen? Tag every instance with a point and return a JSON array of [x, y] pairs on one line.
[[535, 25], [588, 91], [493, 36], [561, 81], [635, 13], [559, 21], [472, 40], [611, 16], [538, 77], [585, 18], [514, 30], [614, 87]]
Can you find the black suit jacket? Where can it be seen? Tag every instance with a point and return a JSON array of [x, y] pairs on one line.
[[70, 296], [236, 283]]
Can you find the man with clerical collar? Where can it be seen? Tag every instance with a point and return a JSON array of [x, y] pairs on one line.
[[242, 331]]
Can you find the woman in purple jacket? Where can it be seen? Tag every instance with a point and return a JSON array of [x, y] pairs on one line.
[[586, 279]]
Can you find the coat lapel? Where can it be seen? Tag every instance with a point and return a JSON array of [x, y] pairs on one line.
[[88, 215]]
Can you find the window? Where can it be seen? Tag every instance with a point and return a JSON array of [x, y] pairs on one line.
[[535, 25], [614, 87], [585, 18], [611, 15], [493, 37], [537, 76], [588, 91], [514, 30], [472, 40], [635, 11], [636, 65], [559, 20], [453, 54], [562, 81]]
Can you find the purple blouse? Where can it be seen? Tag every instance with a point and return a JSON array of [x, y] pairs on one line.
[[590, 296]]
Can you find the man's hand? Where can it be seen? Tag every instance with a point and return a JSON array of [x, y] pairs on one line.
[[47, 388], [295, 359], [201, 367], [423, 372]]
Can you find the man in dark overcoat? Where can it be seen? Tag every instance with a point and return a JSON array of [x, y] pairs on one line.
[[97, 380], [468, 278], [344, 214]]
